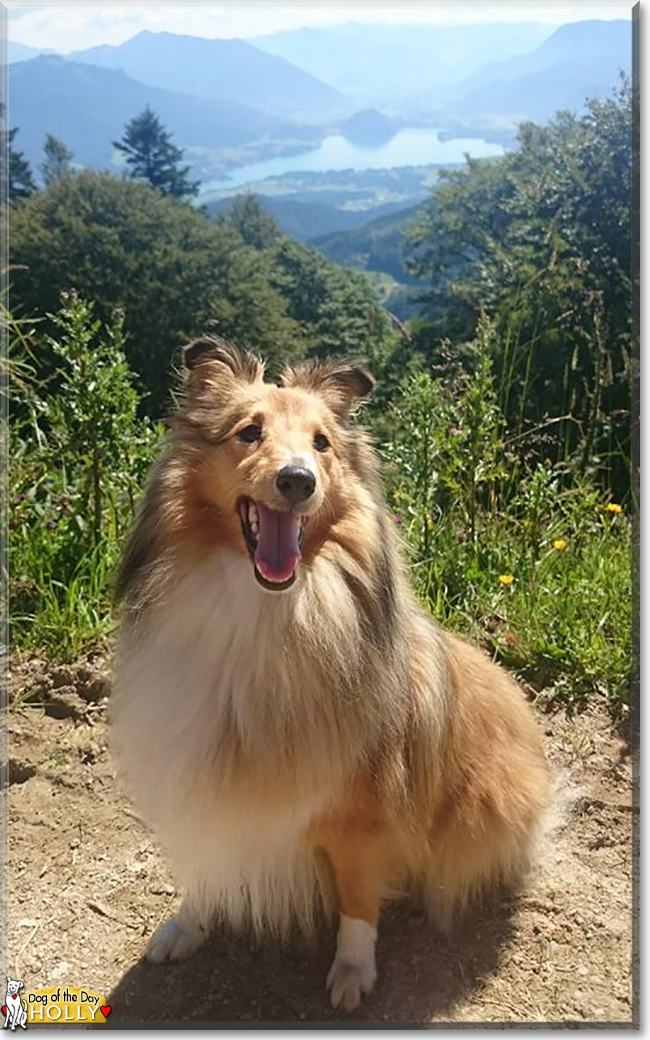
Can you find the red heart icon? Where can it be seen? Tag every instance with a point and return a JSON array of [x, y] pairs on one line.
[[105, 1010], [4, 1009], [15, 996]]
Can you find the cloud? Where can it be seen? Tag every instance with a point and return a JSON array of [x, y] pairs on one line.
[[69, 28]]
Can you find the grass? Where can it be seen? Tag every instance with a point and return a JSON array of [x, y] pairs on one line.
[[563, 621], [63, 618]]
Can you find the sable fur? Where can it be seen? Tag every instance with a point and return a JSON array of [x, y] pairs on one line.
[[328, 745]]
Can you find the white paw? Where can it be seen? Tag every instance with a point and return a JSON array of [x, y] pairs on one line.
[[348, 983], [174, 939], [353, 972]]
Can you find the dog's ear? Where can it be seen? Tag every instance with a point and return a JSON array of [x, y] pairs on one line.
[[213, 364], [342, 383]]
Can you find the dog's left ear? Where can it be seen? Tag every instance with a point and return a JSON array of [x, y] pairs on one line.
[[342, 383], [216, 357]]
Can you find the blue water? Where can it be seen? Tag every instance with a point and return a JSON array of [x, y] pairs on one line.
[[410, 147]]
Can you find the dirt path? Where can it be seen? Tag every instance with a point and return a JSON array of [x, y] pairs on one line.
[[88, 886]]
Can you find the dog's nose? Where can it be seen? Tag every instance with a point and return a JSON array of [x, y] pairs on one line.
[[296, 483]]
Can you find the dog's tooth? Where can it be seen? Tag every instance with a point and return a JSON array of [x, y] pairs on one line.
[[255, 527], [252, 514]]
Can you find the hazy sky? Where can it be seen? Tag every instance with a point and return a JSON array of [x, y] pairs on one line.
[[67, 28]]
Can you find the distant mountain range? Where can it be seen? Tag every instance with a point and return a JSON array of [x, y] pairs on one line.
[[381, 64], [231, 103], [609, 42], [580, 60], [87, 107], [20, 52], [306, 221], [376, 245], [225, 69]]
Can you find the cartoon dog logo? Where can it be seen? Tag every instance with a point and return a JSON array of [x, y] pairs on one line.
[[15, 1008]]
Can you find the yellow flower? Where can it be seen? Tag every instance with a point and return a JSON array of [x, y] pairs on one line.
[[559, 544], [506, 579], [613, 507]]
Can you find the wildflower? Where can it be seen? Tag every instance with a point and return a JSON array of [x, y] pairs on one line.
[[506, 579], [399, 519], [613, 507], [559, 544]]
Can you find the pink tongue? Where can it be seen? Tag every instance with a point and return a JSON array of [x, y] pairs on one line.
[[278, 552]]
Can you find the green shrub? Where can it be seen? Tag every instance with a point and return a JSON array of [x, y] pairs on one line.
[[537, 571], [79, 457]]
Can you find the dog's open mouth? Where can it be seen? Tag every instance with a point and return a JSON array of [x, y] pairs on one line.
[[274, 540]]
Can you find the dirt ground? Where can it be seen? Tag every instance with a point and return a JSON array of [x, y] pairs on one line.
[[88, 886]]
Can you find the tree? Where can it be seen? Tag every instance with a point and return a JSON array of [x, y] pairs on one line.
[[153, 158], [541, 240], [57, 159], [337, 308], [173, 272], [256, 227], [21, 181]]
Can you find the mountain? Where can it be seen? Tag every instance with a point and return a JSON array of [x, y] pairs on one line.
[[609, 42], [21, 52], [381, 65], [87, 108], [539, 95], [305, 221], [376, 245], [580, 60], [228, 69]]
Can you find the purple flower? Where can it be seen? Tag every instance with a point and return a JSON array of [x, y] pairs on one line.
[[51, 524], [399, 519]]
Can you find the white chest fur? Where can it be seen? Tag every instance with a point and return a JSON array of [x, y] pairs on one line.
[[205, 683]]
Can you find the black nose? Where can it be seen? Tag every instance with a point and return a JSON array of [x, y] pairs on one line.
[[296, 484]]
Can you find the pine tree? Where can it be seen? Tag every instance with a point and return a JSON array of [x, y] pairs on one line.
[[57, 159], [255, 226], [152, 156], [21, 180]]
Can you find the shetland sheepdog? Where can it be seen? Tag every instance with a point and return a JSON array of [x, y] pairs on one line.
[[303, 738]]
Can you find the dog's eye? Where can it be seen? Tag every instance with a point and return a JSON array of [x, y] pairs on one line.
[[321, 442], [250, 433]]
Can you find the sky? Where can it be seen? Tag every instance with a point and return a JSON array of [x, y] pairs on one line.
[[71, 27]]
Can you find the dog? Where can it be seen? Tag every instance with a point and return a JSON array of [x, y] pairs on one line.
[[305, 740], [16, 1008]]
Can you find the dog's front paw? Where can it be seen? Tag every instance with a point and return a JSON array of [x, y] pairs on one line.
[[348, 983], [353, 972], [175, 939]]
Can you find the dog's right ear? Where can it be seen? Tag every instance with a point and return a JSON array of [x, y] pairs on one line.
[[209, 360]]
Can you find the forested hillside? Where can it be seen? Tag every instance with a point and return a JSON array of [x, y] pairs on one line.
[[503, 409]]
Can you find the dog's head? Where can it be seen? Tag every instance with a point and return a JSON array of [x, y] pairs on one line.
[[275, 462], [13, 986]]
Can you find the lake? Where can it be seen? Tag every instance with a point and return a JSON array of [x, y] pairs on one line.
[[409, 147]]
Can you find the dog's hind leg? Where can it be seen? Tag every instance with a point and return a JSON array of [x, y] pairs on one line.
[[179, 936]]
